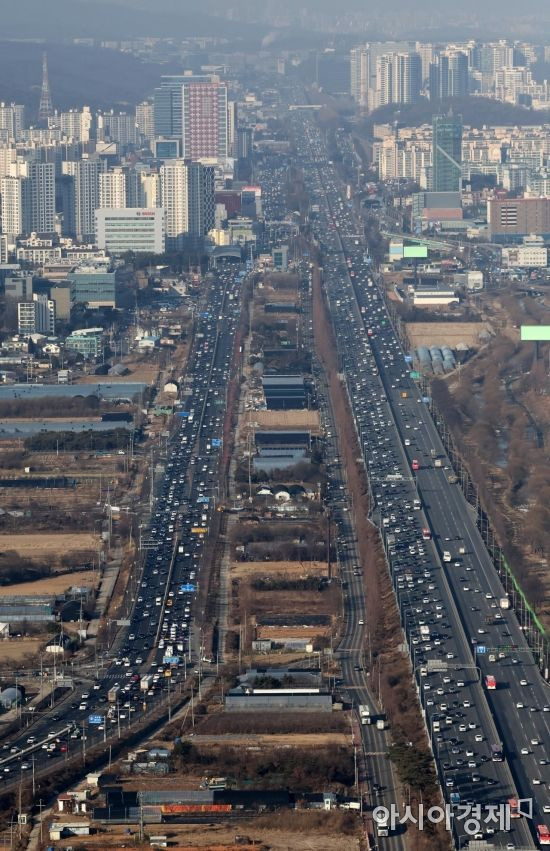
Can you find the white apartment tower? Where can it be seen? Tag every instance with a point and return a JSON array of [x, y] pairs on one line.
[[173, 180], [112, 190]]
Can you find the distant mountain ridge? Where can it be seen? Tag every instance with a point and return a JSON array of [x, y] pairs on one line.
[[63, 19]]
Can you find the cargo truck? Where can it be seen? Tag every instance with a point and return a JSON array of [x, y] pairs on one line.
[[381, 724], [438, 462], [382, 826], [112, 694], [146, 682], [364, 714], [504, 603]]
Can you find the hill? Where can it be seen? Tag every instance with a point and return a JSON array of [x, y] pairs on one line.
[[475, 111], [78, 75]]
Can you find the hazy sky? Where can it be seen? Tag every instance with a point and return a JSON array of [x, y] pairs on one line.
[[243, 18]]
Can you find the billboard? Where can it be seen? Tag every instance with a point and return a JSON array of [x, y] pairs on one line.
[[535, 333], [415, 251]]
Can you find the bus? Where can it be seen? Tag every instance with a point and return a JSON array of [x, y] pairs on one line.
[[490, 682], [415, 465], [426, 535], [513, 806], [543, 834]]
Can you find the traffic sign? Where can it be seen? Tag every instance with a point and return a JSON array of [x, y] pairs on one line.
[[95, 719], [216, 441], [171, 660], [202, 499], [188, 587], [481, 649]]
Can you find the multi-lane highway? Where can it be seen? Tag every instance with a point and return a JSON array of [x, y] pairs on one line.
[[449, 608], [159, 641]]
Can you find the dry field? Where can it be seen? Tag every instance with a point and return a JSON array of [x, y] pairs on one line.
[[17, 650], [245, 569], [290, 831], [293, 419], [444, 333], [266, 740], [48, 546], [53, 585]]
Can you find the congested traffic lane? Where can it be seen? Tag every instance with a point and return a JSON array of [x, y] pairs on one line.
[[167, 584], [457, 712]]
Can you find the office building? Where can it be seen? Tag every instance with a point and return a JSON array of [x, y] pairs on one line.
[[513, 219], [94, 285], [446, 153], [36, 316], [145, 121], [18, 286], [204, 121], [166, 149], [60, 294], [280, 258], [86, 198], [3, 248], [200, 198], [112, 189], [75, 124], [173, 179], [359, 75], [232, 122], [87, 342], [11, 193], [12, 121], [448, 76], [193, 109], [65, 204], [117, 127], [130, 229], [398, 78], [40, 186]]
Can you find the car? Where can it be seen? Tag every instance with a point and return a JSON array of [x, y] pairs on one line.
[[523, 682], [519, 704], [524, 751]]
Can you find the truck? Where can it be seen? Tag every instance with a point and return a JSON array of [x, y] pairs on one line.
[[504, 603], [433, 453], [381, 724], [426, 534], [454, 798], [438, 462], [496, 753], [425, 631], [382, 825], [415, 464], [364, 714], [490, 682], [146, 682], [112, 694], [543, 834], [447, 556]]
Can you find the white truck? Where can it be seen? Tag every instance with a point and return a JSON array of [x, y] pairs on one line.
[[504, 603], [382, 825], [447, 556], [425, 631], [146, 682], [364, 714]]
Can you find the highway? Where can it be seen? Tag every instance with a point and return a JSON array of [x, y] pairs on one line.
[[380, 780], [159, 640], [436, 598]]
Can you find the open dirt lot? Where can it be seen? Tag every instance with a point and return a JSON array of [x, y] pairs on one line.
[[15, 650], [444, 333], [292, 831], [293, 419], [33, 546], [243, 569], [286, 740], [53, 585]]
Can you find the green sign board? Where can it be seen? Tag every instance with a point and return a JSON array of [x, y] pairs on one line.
[[414, 375], [535, 333], [415, 251]]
